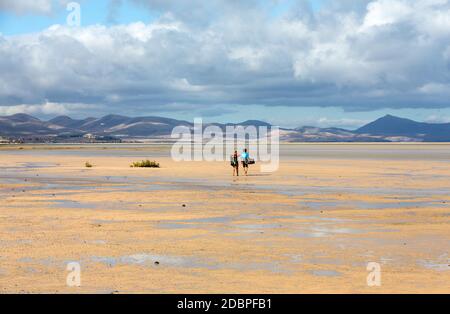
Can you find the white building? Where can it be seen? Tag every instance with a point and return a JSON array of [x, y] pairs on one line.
[[89, 136]]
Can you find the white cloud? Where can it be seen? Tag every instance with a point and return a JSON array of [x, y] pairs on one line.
[[435, 88], [27, 6], [47, 108], [249, 56], [383, 54], [384, 12], [184, 85], [344, 123], [437, 119]]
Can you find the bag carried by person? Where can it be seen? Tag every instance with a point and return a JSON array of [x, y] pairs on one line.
[[251, 161], [232, 162]]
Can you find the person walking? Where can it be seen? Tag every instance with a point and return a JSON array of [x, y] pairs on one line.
[[235, 163], [245, 159]]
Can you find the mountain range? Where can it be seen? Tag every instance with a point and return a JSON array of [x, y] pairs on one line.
[[386, 129]]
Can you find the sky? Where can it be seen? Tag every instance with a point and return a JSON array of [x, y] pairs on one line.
[[288, 62]]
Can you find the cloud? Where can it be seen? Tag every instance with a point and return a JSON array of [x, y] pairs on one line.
[[183, 84], [27, 6], [385, 12], [47, 108], [358, 55], [435, 88], [437, 119]]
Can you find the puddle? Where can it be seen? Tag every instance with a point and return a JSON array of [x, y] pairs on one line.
[[106, 221], [99, 242], [331, 219], [31, 270], [70, 204], [324, 261], [146, 259], [325, 272], [435, 266], [95, 150], [195, 223], [371, 205], [226, 224], [336, 230], [7, 243], [156, 260], [61, 203], [39, 164], [253, 228], [229, 221], [441, 264], [267, 266], [304, 190], [320, 232], [292, 225], [49, 262], [221, 219], [296, 258]]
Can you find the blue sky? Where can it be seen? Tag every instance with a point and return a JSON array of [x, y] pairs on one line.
[[92, 11], [289, 62], [98, 12]]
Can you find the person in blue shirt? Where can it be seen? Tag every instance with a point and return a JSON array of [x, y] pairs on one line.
[[244, 158]]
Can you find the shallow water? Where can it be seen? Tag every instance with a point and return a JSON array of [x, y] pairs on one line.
[[325, 272], [158, 260], [392, 151], [371, 205]]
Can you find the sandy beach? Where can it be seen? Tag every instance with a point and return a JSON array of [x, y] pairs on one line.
[[190, 227]]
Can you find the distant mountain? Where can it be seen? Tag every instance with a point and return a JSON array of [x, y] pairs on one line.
[[22, 118], [391, 126], [104, 124], [256, 123], [22, 124], [68, 122], [130, 127], [143, 126], [316, 134], [386, 129]]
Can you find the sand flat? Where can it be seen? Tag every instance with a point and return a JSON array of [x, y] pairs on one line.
[[312, 226]]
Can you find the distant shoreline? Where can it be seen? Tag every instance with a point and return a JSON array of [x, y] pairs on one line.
[[124, 144]]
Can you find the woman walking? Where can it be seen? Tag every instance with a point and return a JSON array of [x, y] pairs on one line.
[[235, 163]]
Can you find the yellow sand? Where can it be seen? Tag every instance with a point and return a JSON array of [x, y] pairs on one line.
[[310, 227]]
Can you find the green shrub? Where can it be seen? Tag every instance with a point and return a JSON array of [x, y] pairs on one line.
[[88, 164], [145, 164]]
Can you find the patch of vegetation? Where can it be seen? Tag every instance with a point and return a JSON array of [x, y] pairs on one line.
[[88, 164], [145, 164]]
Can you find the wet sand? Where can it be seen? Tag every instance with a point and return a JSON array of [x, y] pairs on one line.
[[310, 227]]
